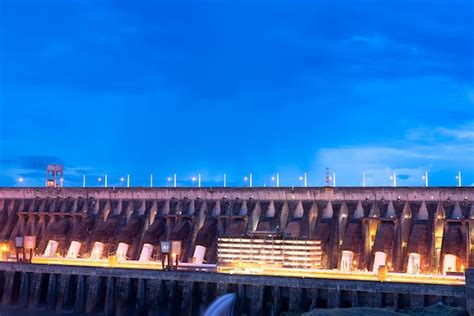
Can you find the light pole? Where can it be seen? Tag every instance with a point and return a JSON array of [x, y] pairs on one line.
[[458, 177], [304, 179], [245, 180], [105, 181], [425, 177], [199, 180], [193, 179], [151, 180], [225, 180], [174, 180], [273, 181], [250, 180], [84, 181], [122, 181], [168, 183], [363, 179], [128, 181], [394, 178], [333, 179], [99, 179]]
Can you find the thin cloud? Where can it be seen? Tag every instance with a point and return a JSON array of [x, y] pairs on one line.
[[409, 158]]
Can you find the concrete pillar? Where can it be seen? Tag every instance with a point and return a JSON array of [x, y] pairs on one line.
[[334, 298], [8, 288], [52, 292], [354, 299], [295, 299], [153, 293], [35, 290], [109, 305], [63, 295], [222, 288], [24, 290], [141, 296], [276, 306], [470, 291], [123, 296], [396, 301], [93, 294], [172, 291], [80, 303], [314, 298], [257, 300], [187, 299], [203, 288], [283, 220], [375, 299], [417, 301]]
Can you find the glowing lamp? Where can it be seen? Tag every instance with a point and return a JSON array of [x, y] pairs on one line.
[[176, 247], [165, 247], [18, 242], [29, 242]]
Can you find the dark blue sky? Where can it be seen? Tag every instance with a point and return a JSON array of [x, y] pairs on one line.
[[144, 87]]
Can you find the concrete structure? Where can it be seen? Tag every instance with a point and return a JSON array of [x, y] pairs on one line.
[[416, 230], [145, 292]]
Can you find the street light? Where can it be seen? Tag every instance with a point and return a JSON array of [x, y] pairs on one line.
[[122, 181], [458, 177], [194, 180], [276, 179], [333, 179], [425, 178], [304, 179], [168, 182], [394, 178], [245, 180]]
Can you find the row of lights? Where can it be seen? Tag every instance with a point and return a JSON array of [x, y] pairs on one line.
[[248, 180]]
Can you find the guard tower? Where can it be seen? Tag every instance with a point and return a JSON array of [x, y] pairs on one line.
[[52, 174]]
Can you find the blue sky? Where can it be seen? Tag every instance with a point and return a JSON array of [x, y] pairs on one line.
[[188, 87]]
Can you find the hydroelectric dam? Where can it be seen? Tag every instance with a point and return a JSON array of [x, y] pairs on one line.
[[172, 251]]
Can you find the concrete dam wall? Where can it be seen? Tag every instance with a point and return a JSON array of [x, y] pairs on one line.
[[133, 292], [409, 230]]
